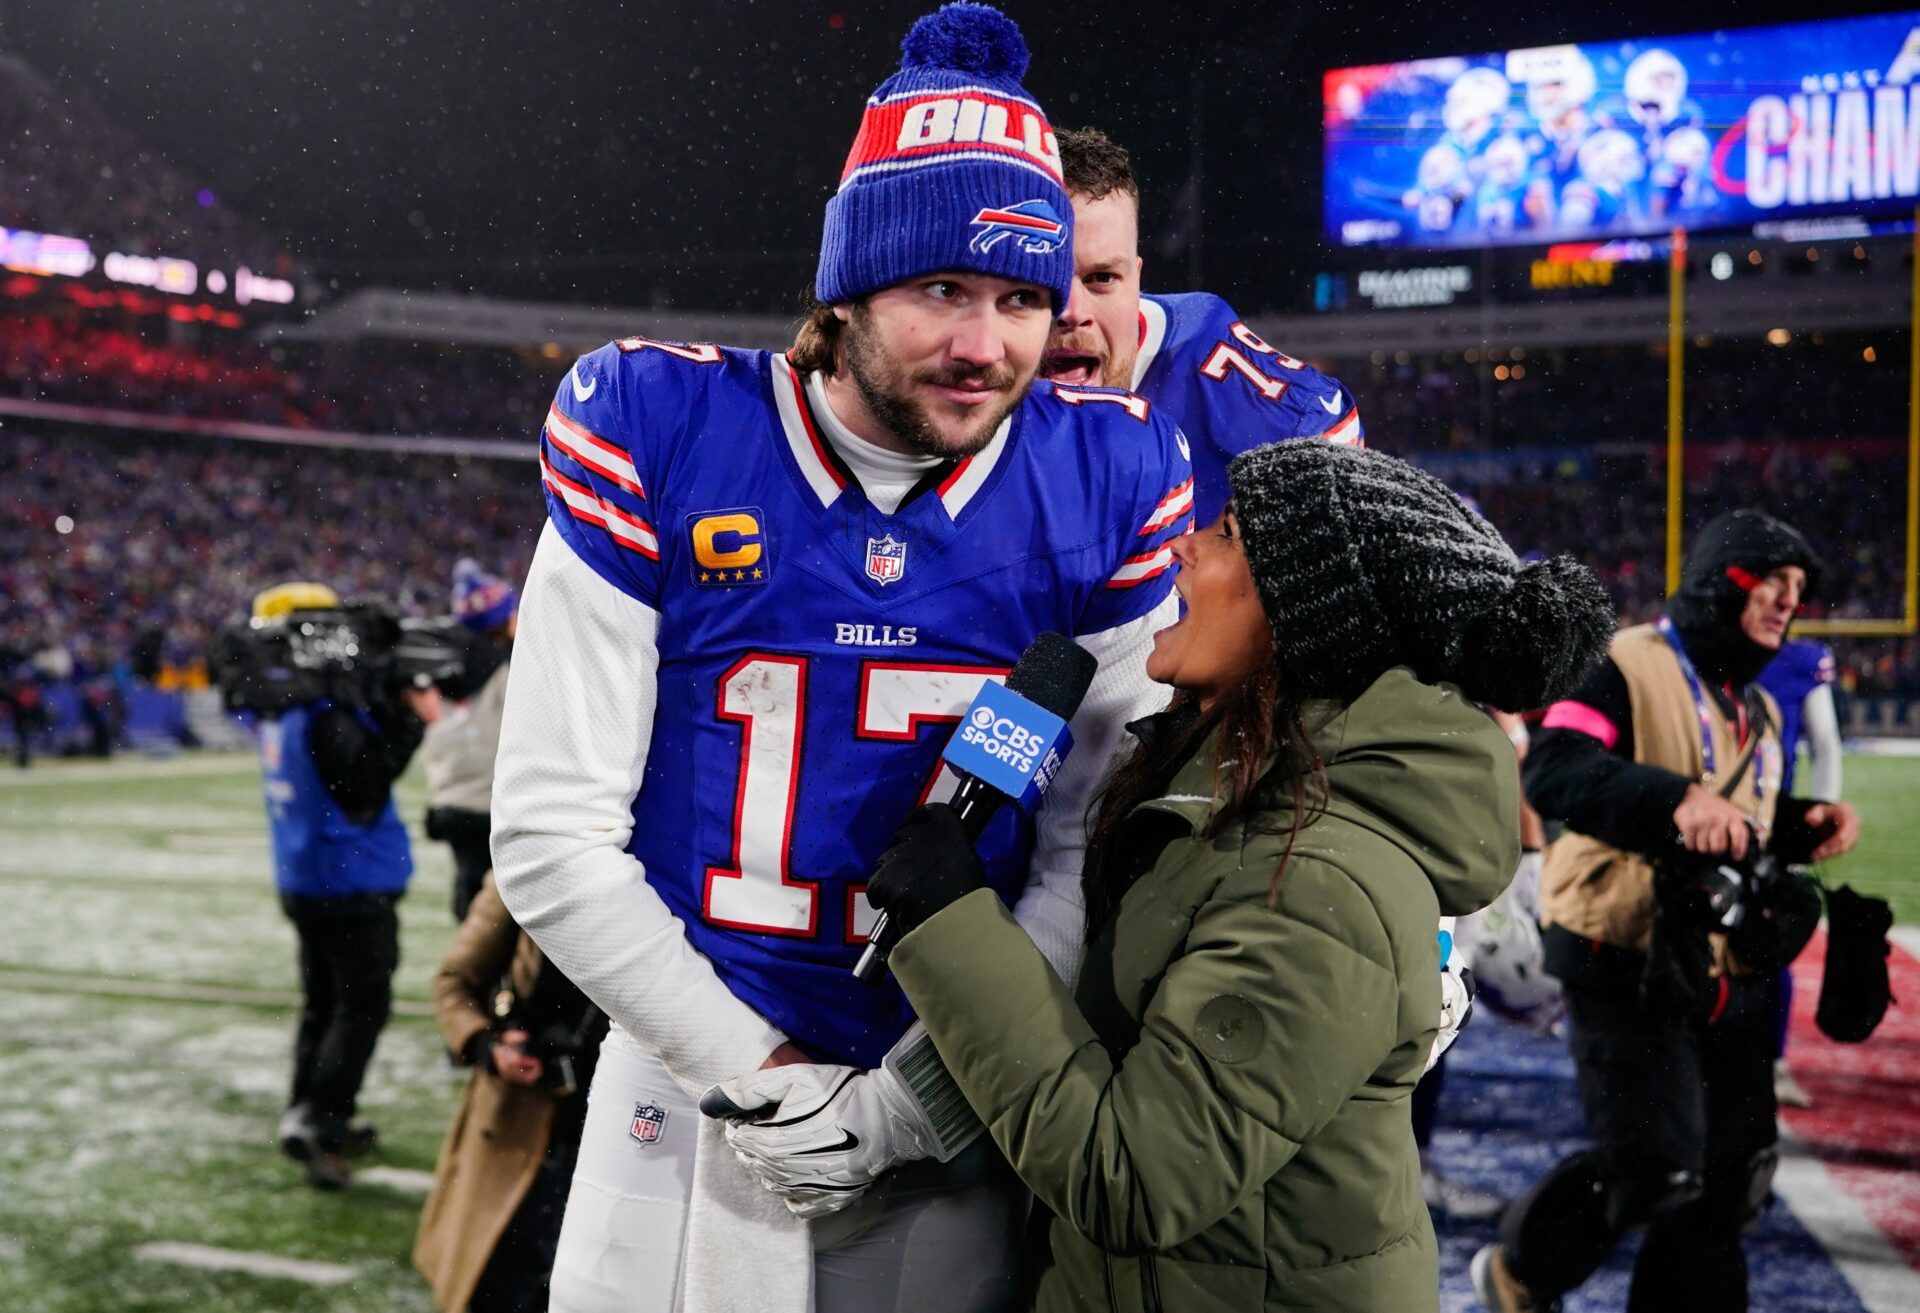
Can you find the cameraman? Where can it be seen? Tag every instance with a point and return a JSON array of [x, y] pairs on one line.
[[488, 1232], [462, 740], [341, 862], [1668, 756]]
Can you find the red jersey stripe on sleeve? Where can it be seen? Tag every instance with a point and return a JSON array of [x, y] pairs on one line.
[[587, 506], [1172, 506], [1136, 570], [593, 452]]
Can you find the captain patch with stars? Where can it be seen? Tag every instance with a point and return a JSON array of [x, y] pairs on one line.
[[730, 548]]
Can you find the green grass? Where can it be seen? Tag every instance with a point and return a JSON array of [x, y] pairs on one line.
[[1886, 861], [127, 1118]]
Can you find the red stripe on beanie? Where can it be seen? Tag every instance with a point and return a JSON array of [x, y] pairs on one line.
[[1018, 130]]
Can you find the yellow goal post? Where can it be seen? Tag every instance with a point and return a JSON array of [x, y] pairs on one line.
[[1858, 627]]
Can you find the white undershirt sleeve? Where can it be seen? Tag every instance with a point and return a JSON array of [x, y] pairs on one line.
[[573, 753], [1820, 727], [1052, 907]]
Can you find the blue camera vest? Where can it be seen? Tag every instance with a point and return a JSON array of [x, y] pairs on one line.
[[317, 851]]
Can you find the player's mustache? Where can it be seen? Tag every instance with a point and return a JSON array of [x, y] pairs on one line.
[[1075, 344], [996, 377]]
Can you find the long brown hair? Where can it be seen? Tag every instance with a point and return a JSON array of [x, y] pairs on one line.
[[1252, 720], [816, 343]]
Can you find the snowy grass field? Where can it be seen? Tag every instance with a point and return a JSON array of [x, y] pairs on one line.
[[149, 979], [149, 982]]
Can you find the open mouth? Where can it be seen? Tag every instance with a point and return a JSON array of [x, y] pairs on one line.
[[1071, 367]]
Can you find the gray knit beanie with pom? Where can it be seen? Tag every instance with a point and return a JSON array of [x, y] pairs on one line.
[[1365, 563]]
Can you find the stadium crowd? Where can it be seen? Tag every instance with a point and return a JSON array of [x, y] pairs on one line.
[[1736, 391], [62, 358], [171, 536], [138, 551]]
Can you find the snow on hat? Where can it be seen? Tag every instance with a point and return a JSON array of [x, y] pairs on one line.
[[955, 167], [1364, 563], [481, 601]]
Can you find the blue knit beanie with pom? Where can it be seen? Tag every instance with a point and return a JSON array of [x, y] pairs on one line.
[[482, 602], [955, 167]]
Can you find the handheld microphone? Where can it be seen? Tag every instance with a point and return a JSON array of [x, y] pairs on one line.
[[1009, 747]]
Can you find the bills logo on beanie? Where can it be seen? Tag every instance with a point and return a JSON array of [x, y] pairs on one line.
[[955, 167]]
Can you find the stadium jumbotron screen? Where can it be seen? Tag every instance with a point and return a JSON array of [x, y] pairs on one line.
[[1636, 136]]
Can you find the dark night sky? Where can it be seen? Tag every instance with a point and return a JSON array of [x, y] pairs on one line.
[[682, 150]]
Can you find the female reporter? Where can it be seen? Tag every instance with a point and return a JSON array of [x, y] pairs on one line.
[[1218, 1117]]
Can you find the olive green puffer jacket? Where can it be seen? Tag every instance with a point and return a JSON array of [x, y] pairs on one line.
[[1219, 1117]]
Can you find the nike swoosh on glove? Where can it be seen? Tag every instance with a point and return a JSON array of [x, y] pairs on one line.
[[818, 1134]]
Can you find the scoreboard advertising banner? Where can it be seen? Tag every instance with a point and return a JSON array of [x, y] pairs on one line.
[[1631, 137]]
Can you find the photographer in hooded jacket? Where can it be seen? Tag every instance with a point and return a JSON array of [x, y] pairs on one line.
[[1669, 905], [332, 742]]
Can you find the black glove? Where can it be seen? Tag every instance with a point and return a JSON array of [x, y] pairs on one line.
[[929, 864], [1857, 988]]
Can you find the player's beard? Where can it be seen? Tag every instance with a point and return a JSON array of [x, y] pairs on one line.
[[886, 387]]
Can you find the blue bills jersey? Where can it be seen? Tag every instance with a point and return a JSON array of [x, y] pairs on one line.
[[1229, 391], [814, 652], [1801, 666]]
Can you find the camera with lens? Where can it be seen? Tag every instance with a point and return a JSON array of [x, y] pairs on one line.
[[339, 652], [1767, 909], [444, 653], [359, 653]]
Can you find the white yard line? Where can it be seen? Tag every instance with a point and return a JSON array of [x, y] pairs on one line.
[[1885, 747], [210, 1259], [57, 773], [403, 1179], [51, 982], [1875, 1269], [1908, 937]]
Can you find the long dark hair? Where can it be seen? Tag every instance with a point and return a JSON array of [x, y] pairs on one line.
[[1253, 720], [816, 342]]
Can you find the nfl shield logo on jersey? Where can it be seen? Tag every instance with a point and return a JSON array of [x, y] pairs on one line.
[[648, 1122], [886, 559]]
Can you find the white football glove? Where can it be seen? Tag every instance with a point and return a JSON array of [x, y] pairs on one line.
[[1456, 995], [818, 1134]]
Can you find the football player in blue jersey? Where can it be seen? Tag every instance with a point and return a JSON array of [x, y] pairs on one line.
[[767, 586], [1189, 353], [1560, 88], [1653, 101], [1448, 181], [1801, 680]]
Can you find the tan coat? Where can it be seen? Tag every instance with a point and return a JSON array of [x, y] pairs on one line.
[[1599, 892], [499, 1134]]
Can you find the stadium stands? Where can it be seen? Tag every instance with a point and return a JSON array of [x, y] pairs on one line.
[[130, 553]]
